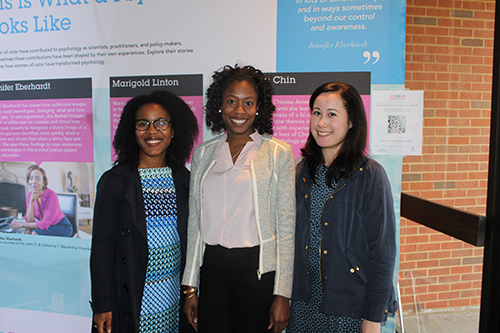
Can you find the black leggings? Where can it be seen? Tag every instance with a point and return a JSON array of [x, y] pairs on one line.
[[232, 298]]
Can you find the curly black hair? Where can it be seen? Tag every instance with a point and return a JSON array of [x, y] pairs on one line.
[[222, 78], [183, 122]]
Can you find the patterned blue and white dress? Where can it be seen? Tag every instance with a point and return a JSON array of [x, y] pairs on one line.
[[305, 316], [160, 302]]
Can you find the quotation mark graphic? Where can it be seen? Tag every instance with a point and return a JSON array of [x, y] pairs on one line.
[[367, 55]]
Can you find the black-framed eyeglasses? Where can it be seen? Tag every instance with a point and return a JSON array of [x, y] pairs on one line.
[[159, 124]]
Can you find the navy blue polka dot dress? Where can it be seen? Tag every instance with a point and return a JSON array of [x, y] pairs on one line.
[[305, 316]]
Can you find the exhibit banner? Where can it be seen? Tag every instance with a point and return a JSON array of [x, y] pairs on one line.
[[292, 92], [67, 68], [188, 87], [343, 35], [46, 120]]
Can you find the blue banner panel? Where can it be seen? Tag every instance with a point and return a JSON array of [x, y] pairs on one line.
[[342, 35]]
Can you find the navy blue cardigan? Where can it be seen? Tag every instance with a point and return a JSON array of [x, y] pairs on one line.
[[358, 244]]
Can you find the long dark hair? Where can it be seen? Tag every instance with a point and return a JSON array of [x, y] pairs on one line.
[[222, 78], [353, 147], [184, 125]]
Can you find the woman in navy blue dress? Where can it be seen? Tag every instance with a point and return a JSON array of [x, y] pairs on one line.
[[345, 228], [140, 218]]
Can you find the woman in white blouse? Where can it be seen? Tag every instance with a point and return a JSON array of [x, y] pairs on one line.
[[242, 212]]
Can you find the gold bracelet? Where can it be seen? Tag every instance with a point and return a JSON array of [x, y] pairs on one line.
[[190, 290], [190, 295]]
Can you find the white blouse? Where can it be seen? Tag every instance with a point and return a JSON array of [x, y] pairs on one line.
[[228, 205]]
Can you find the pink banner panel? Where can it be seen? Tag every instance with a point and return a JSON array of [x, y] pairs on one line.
[[46, 130]]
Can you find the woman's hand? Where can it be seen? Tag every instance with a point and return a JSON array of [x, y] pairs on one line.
[[103, 321], [16, 225], [35, 195], [279, 315], [27, 225], [369, 327], [191, 311]]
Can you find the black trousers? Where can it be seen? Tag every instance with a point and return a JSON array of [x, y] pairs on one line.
[[232, 298]]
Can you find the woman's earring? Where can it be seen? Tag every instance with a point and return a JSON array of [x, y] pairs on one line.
[[220, 111], [256, 114]]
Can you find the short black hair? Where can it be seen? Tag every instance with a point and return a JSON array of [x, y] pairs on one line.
[[353, 147], [183, 122], [44, 175], [263, 123]]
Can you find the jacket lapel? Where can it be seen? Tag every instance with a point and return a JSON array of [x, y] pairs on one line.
[[133, 195]]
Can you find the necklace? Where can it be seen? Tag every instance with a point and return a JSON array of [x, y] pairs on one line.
[[235, 155]]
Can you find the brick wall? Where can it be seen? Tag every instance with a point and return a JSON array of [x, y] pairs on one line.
[[449, 55]]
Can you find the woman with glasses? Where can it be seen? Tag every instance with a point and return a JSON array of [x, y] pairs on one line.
[[140, 218]]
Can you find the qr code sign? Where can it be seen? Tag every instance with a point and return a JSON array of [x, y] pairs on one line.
[[396, 124]]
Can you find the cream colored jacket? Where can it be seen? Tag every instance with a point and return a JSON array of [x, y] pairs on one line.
[[273, 182]]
